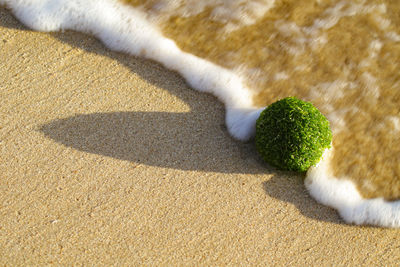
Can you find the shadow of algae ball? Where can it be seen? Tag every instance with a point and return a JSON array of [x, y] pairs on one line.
[[292, 134]]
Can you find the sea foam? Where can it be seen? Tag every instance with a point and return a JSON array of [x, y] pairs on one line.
[[342, 195], [126, 29]]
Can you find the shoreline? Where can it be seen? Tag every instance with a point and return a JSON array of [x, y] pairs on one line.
[[107, 198], [127, 30]]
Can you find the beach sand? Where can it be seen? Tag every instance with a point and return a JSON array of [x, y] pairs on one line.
[[111, 159]]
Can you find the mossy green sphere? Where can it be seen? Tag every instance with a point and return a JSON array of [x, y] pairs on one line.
[[292, 134]]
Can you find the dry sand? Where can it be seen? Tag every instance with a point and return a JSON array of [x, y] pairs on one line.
[[111, 159]]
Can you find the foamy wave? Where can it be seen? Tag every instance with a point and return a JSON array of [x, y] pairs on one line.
[[233, 13], [342, 195], [126, 29]]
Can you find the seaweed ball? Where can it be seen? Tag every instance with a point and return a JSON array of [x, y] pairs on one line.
[[292, 134]]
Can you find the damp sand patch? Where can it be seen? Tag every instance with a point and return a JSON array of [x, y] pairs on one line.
[[343, 57]]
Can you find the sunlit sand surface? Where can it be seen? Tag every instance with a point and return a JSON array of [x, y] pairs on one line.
[[343, 56]]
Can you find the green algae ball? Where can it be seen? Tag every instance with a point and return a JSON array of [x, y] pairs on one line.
[[292, 134]]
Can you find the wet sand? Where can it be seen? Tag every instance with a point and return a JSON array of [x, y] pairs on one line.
[[111, 159], [341, 56]]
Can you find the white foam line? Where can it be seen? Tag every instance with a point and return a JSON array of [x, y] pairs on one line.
[[342, 195], [125, 29]]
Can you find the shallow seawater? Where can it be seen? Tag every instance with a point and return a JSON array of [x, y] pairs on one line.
[[343, 56]]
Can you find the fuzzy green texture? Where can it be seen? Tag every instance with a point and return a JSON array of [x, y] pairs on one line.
[[292, 134]]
